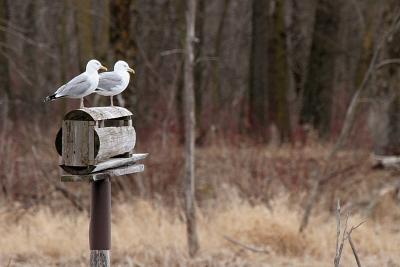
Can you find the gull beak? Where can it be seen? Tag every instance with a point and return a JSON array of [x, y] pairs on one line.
[[131, 70], [103, 68]]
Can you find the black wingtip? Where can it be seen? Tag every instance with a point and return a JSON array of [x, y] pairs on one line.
[[49, 98]]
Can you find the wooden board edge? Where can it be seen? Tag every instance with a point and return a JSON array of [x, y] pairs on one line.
[[130, 169]]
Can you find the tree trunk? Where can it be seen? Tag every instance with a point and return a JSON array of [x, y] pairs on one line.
[[258, 94], [190, 125], [85, 30], [269, 69], [278, 70], [4, 78], [101, 29], [123, 17], [299, 23], [317, 97]]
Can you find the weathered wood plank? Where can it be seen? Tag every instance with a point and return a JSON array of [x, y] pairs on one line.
[[117, 162], [99, 258], [91, 142], [93, 139], [97, 113], [126, 170], [75, 149], [114, 141], [136, 168], [111, 163]]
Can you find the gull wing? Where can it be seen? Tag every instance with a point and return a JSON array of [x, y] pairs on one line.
[[108, 81], [76, 87]]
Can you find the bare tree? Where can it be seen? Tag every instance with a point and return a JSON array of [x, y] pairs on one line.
[[190, 125]]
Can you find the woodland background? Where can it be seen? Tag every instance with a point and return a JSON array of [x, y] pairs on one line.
[[263, 68], [273, 82]]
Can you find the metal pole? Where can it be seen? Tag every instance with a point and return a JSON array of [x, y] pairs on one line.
[[100, 223]]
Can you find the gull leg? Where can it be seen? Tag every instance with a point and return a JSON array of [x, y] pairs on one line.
[[82, 105], [112, 101]]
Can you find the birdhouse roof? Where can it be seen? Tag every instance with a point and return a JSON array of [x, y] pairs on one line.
[[97, 113]]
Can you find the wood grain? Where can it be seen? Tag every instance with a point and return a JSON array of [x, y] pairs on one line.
[[111, 163], [114, 141], [75, 148], [93, 139], [97, 113]]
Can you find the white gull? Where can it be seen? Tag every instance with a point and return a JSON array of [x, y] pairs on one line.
[[114, 82], [80, 86]]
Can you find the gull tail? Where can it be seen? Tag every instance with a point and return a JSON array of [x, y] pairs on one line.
[[54, 96], [51, 98]]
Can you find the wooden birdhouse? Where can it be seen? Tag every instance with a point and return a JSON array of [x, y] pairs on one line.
[[96, 139], [96, 144]]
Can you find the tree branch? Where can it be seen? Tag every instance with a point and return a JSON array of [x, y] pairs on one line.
[[387, 62], [248, 247]]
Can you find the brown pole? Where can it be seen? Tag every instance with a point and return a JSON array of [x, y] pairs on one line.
[[100, 223]]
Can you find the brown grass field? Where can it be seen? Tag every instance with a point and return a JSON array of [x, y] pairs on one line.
[[251, 194], [148, 234]]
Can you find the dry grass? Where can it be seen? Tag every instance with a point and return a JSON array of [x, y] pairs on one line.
[[150, 234], [252, 194]]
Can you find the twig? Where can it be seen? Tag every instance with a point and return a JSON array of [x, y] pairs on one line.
[[171, 52], [338, 172], [74, 199], [388, 62], [202, 59], [248, 247], [337, 228], [353, 248], [355, 227]]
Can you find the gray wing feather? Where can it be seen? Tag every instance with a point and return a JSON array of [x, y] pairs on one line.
[[75, 87], [60, 89], [109, 80]]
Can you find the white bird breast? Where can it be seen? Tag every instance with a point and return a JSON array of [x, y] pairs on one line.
[[118, 88]]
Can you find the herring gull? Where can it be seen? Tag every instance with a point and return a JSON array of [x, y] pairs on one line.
[[80, 86], [114, 82]]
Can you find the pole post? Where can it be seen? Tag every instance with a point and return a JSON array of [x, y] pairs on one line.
[[100, 223]]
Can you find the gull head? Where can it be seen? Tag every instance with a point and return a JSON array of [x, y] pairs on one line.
[[121, 65], [94, 65]]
